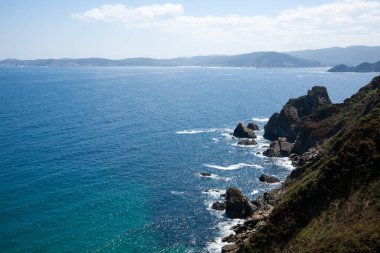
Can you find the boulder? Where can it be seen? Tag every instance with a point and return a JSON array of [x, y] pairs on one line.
[[230, 248], [286, 123], [237, 205], [205, 174], [247, 142], [220, 206], [242, 131], [279, 148], [268, 179], [253, 126]]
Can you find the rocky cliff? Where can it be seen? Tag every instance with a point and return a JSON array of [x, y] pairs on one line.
[[287, 122], [332, 203]]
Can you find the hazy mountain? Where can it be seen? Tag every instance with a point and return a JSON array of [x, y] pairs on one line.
[[257, 60], [353, 55], [363, 67]]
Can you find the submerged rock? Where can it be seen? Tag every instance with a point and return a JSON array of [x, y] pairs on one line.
[[237, 205], [247, 142], [268, 179], [242, 131]]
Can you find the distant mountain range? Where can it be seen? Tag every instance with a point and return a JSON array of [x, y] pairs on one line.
[[363, 67], [353, 55], [297, 59], [257, 60]]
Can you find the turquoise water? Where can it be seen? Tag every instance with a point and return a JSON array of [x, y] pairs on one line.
[[108, 159]]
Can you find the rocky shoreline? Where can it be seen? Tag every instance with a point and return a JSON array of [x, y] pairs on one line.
[[289, 139]]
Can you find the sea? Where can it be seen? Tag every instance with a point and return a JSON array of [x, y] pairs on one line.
[[108, 159]]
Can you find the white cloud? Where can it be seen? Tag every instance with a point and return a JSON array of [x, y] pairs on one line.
[[355, 21], [121, 13]]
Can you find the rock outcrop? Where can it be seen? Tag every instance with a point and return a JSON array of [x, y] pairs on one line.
[[242, 131], [331, 201], [253, 126], [279, 148], [268, 179], [286, 123], [220, 206], [247, 142], [237, 205]]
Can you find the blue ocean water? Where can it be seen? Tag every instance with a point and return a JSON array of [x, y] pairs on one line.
[[108, 159]]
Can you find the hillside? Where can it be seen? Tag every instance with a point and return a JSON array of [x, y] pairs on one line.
[[332, 204], [363, 67], [256, 60], [353, 55]]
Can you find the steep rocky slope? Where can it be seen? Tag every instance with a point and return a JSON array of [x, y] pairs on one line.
[[331, 204]]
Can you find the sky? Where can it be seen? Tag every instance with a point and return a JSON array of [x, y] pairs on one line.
[[119, 29]]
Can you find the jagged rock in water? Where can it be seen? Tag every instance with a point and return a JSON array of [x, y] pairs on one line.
[[237, 205], [247, 142], [242, 131], [285, 123], [219, 206], [268, 179], [253, 126], [205, 174], [279, 148]]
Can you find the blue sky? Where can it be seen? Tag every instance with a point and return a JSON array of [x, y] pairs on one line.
[[162, 29]]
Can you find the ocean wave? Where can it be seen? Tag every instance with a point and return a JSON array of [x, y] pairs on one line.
[[224, 230], [215, 177], [215, 140], [284, 162], [233, 166], [214, 193], [190, 132], [254, 192], [198, 131], [260, 119], [177, 192]]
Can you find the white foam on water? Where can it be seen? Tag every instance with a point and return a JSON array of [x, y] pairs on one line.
[[233, 166], [215, 177], [260, 119], [254, 192], [214, 193], [284, 162], [224, 227], [215, 140], [176, 192], [190, 132]]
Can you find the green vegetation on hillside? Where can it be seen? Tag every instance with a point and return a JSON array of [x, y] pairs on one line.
[[333, 203]]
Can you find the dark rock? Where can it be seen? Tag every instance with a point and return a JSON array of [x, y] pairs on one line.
[[229, 238], [279, 148], [286, 123], [205, 174], [219, 206], [253, 126], [242, 131], [247, 142], [230, 248], [237, 205], [268, 179]]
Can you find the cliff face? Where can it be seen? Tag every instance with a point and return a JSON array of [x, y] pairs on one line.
[[286, 123], [331, 204]]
